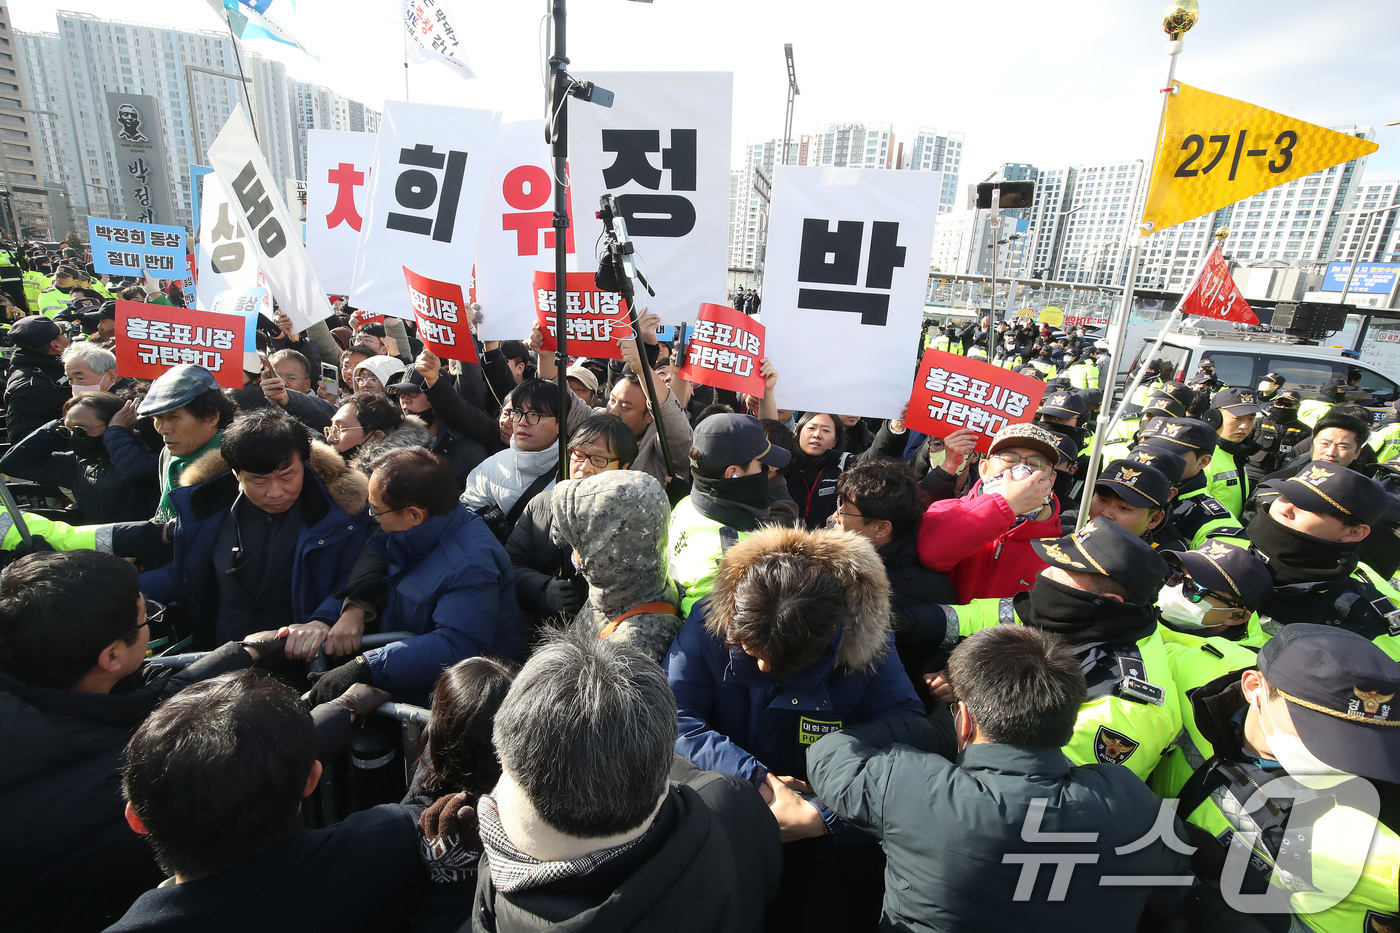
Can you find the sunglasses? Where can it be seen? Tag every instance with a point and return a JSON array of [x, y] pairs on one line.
[[1195, 591]]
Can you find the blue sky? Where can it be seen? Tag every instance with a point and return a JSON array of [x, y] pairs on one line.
[[1026, 80]]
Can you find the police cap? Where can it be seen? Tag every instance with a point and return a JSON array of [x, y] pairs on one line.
[[1184, 435], [1138, 484], [1104, 548], [1233, 573]]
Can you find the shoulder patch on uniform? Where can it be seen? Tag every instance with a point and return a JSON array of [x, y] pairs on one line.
[[1214, 507], [1113, 748], [1381, 923]]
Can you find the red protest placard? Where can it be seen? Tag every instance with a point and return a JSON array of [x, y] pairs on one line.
[[153, 338], [1214, 294], [444, 323], [724, 351], [597, 320], [953, 392]]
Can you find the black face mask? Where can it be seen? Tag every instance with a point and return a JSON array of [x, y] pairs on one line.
[[348, 455], [1082, 617], [1283, 413], [1294, 557], [1064, 484], [87, 448]]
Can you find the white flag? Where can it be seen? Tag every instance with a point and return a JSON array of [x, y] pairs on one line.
[[254, 194], [433, 37]]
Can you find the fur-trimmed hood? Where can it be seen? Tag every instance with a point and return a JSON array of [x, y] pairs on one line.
[[348, 488], [850, 558]]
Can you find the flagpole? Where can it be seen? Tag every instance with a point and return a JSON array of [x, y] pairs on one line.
[[557, 129], [1180, 17], [252, 120], [405, 63]]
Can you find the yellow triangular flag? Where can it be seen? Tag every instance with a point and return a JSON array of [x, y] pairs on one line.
[[1216, 150]]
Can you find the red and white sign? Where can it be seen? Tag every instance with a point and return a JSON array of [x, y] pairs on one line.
[[953, 392], [337, 193], [442, 317], [725, 350], [516, 238], [1083, 320], [153, 338], [1214, 293], [597, 320]]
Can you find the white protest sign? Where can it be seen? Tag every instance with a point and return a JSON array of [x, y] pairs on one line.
[[431, 169], [845, 280], [224, 259], [255, 194], [337, 190], [663, 149], [517, 231]]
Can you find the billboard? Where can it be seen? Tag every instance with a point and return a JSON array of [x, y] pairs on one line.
[[140, 150], [1371, 278]]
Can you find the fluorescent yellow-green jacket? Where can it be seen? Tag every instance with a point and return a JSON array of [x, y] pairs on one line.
[[1226, 481], [59, 535], [1084, 375], [1113, 727], [941, 342], [34, 283], [697, 544], [1386, 442], [1312, 409]]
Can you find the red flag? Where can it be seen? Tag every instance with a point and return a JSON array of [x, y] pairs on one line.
[[1214, 293], [443, 319], [953, 392], [725, 351]]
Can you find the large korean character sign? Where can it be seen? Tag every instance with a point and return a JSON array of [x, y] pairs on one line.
[[224, 259], [153, 338], [953, 392], [337, 191], [843, 290], [663, 149], [596, 319], [724, 351], [517, 230], [442, 317], [426, 188]]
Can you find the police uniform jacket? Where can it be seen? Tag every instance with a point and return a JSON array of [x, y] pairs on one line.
[[34, 393]]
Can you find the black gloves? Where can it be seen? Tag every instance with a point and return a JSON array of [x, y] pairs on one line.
[[330, 685], [565, 596]]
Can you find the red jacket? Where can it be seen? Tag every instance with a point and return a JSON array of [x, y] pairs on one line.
[[977, 541]]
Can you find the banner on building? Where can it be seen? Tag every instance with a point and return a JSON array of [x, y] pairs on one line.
[[1214, 293], [337, 178], [434, 37], [597, 320], [1217, 150], [663, 150], [153, 338], [516, 239], [442, 316], [952, 392], [431, 168], [845, 279], [252, 191], [1371, 278], [142, 175], [724, 351], [127, 248]]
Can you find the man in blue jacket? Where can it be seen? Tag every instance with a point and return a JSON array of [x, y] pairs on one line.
[[268, 527], [434, 568]]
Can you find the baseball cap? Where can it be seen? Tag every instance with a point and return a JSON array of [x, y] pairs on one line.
[[1030, 436], [1105, 548], [1235, 401], [175, 388], [1235, 573], [1275, 378], [31, 333], [1063, 404], [408, 381], [1329, 489], [584, 375], [1182, 435], [1138, 484], [383, 368], [1341, 691], [1170, 464], [728, 439]]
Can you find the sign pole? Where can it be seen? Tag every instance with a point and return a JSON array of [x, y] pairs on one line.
[[558, 129], [1181, 16]]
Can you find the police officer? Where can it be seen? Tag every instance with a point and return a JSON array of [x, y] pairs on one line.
[[1272, 775], [11, 276], [1084, 374], [1276, 433], [68, 279], [978, 349], [1309, 530], [1232, 413], [1269, 387], [1128, 431], [1196, 514], [36, 387], [1211, 592], [1007, 354], [1386, 441], [1135, 495], [1063, 412], [947, 341], [1205, 377], [1097, 592]]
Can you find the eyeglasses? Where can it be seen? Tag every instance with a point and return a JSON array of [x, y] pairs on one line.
[[66, 431], [152, 618], [374, 514], [335, 431], [529, 417], [598, 460], [851, 515], [1195, 591], [1039, 464], [364, 379]]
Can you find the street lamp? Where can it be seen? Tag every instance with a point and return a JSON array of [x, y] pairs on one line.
[[792, 93], [189, 90]]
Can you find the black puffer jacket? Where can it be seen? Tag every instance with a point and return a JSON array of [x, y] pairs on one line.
[[812, 482], [105, 492], [68, 861], [34, 393]]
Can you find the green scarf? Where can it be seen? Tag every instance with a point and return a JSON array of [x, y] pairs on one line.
[[165, 512]]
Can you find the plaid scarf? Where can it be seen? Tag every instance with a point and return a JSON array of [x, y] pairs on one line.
[[512, 870]]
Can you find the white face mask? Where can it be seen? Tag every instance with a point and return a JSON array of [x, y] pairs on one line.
[[1177, 609], [1266, 387], [95, 387], [1290, 752]]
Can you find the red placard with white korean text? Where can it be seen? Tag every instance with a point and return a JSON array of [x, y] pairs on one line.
[[1214, 293], [724, 351], [953, 392], [153, 338], [444, 321], [597, 320]]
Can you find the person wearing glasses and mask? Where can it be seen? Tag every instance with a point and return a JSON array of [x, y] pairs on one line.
[[269, 525], [375, 373], [1211, 592], [363, 418], [433, 568], [982, 540], [547, 584]]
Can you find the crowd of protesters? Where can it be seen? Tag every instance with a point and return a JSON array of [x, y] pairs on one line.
[[747, 668]]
